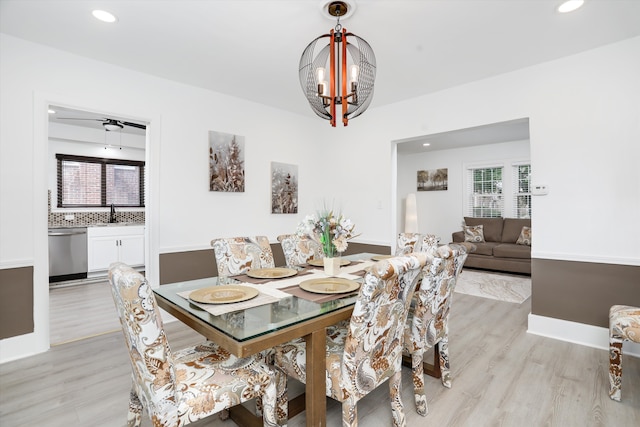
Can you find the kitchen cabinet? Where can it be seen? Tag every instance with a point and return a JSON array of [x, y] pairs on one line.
[[112, 243]]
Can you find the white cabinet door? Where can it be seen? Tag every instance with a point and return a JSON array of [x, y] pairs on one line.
[[111, 244], [132, 250], [102, 252]]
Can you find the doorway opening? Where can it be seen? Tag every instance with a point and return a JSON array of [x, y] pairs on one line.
[[93, 160]]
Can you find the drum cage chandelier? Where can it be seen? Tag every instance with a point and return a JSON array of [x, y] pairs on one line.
[[339, 77]]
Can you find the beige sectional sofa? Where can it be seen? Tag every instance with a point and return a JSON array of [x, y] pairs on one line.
[[503, 247]]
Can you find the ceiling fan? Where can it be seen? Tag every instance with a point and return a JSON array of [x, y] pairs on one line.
[[109, 124]]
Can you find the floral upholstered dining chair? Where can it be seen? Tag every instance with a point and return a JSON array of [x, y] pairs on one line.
[[407, 243], [428, 324], [177, 388], [237, 255], [624, 325], [429, 244], [368, 351], [299, 249]]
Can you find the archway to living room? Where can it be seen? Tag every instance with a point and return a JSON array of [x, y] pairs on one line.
[[482, 171]]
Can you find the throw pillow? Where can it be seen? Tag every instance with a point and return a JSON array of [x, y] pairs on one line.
[[525, 237], [473, 233]]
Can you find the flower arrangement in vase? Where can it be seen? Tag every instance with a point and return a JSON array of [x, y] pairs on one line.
[[332, 232]]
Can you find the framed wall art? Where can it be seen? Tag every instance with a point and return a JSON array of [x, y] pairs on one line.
[[226, 162], [284, 188], [433, 180]]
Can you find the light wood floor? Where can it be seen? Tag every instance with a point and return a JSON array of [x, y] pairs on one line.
[[502, 376], [81, 311]]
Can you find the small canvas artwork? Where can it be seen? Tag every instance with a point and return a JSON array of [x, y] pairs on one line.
[[433, 180], [226, 162], [284, 188]]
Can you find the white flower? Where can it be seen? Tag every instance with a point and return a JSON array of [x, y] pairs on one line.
[[340, 243], [332, 232]]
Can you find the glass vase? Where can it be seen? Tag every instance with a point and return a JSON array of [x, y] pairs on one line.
[[331, 266]]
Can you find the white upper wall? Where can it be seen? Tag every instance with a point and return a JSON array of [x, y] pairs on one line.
[[584, 124]]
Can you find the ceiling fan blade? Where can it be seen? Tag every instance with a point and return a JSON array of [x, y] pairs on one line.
[[77, 118], [135, 125]]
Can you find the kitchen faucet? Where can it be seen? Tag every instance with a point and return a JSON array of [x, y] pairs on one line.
[[112, 216]]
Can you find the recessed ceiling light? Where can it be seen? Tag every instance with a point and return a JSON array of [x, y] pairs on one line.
[[104, 16], [50, 111], [426, 144], [570, 6]]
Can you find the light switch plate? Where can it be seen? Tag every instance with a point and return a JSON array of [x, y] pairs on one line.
[[540, 190]]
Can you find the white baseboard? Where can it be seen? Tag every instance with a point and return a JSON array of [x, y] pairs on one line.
[[577, 333]]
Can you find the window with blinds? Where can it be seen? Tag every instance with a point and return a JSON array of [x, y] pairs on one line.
[[96, 182], [522, 191], [484, 190]]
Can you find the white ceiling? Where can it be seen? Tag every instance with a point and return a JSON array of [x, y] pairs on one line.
[[494, 133], [251, 48]]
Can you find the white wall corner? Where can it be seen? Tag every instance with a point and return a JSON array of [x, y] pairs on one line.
[[21, 346], [577, 333]]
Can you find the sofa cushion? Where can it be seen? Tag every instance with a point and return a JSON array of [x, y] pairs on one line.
[[512, 228], [525, 237], [492, 228], [473, 233], [508, 250], [485, 248]]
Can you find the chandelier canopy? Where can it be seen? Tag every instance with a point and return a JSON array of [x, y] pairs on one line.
[[338, 78]]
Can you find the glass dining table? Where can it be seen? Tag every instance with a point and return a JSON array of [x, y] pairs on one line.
[[247, 331]]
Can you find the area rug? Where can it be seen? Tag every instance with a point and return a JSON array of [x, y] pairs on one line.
[[502, 287]]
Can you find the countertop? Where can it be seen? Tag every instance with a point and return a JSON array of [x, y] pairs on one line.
[[99, 224]]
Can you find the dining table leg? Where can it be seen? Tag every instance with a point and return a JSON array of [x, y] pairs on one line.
[[315, 389]]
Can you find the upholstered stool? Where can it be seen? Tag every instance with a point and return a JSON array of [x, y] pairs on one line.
[[624, 324]]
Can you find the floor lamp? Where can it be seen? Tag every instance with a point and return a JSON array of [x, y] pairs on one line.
[[411, 214]]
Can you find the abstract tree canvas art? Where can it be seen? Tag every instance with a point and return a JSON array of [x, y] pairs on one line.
[[226, 162], [284, 188], [433, 180]]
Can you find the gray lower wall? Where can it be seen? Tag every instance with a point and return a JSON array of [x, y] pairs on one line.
[[191, 265], [16, 301], [579, 292], [582, 292]]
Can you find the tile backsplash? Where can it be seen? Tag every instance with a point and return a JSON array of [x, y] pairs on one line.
[[56, 219]]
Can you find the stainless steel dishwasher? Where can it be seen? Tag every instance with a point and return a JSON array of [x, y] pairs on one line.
[[67, 254]]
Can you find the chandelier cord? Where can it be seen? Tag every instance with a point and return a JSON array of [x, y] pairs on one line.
[[338, 26]]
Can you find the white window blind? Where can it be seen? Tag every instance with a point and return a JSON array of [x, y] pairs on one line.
[[521, 175], [484, 192]]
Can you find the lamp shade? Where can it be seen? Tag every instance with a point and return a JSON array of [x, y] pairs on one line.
[[411, 214]]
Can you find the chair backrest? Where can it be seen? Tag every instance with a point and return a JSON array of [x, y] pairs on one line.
[[237, 255], [299, 249], [152, 364], [430, 244], [433, 299], [407, 243], [374, 342]]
